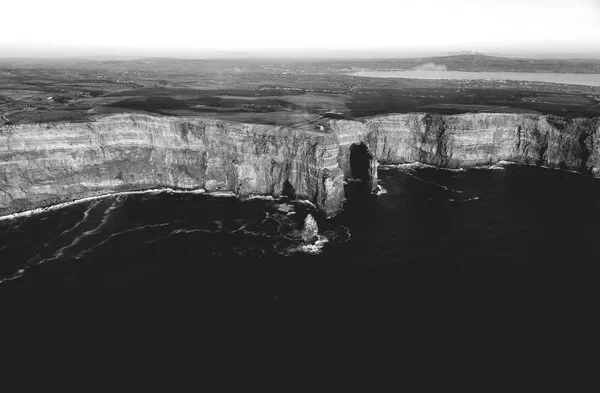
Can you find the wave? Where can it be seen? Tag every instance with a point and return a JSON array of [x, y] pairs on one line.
[[105, 217], [500, 165], [113, 235], [82, 237], [312, 249], [83, 219], [462, 200], [418, 165], [381, 190], [306, 202], [435, 184], [285, 207], [222, 194], [58, 206], [260, 197]]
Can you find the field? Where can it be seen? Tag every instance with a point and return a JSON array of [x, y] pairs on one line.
[[282, 92]]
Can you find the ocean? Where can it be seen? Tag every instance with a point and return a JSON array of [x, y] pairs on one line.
[[504, 220], [215, 275], [542, 77]]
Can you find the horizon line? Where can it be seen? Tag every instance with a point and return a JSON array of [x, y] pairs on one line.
[[357, 54]]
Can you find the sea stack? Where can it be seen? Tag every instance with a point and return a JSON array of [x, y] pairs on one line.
[[310, 231]]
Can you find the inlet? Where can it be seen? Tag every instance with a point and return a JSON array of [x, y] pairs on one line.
[[360, 162], [363, 169], [288, 190]]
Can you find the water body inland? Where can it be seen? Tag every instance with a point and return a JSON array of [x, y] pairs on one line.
[[544, 77]]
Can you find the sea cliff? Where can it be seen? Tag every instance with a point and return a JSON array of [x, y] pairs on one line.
[[44, 164]]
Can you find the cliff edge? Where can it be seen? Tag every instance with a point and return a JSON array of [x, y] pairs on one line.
[[44, 164]]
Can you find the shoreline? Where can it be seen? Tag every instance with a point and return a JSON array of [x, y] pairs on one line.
[[75, 199]]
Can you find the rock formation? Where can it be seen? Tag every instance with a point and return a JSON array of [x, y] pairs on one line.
[[310, 230], [43, 164]]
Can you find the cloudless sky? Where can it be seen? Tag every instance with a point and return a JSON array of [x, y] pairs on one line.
[[168, 27]]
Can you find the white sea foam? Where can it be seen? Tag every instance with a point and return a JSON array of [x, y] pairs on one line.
[[381, 190], [316, 247], [105, 218], [285, 207], [313, 249], [260, 197], [58, 206], [497, 166], [306, 202], [462, 200], [113, 235], [83, 219], [13, 277], [435, 184], [562, 170], [407, 168], [418, 165], [222, 194]]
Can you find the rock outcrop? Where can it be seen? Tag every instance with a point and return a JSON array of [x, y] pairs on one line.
[[310, 229], [43, 164]]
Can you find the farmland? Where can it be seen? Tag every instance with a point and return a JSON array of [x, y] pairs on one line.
[[282, 92]]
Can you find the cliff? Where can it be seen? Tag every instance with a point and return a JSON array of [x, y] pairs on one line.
[[473, 139], [43, 164]]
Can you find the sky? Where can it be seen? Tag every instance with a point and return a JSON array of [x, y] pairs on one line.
[[377, 28]]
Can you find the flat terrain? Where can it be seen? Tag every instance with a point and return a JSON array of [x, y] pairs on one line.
[[282, 92]]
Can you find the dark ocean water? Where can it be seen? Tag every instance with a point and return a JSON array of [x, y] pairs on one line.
[[507, 220], [222, 273]]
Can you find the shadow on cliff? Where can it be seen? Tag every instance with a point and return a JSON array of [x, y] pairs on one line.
[[358, 186]]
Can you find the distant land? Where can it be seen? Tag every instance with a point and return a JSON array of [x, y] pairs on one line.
[[126, 53], [285, 91]]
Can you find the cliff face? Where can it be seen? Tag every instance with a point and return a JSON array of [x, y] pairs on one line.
[[47, 163], [472, 139], [43, 164]]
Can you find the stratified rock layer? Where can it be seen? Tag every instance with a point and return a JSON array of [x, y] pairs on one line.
[[474, 139], [42, 164]]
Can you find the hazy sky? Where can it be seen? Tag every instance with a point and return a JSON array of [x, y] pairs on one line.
[[178, 27]]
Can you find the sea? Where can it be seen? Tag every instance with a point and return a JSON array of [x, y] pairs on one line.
[[195, 270], [543, 77]]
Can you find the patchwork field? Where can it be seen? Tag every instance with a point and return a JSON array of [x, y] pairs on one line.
[[283, 92]]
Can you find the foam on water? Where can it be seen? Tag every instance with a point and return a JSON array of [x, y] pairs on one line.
[[285, 207], [260, 197], [278, 232], [154, 191], [222, 194], [461, 200], [306, 202], [435, 184], [408, 168], [113, 235], [381, 190], [418, 165], [497, 166], [60, 252], [314, 248]]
